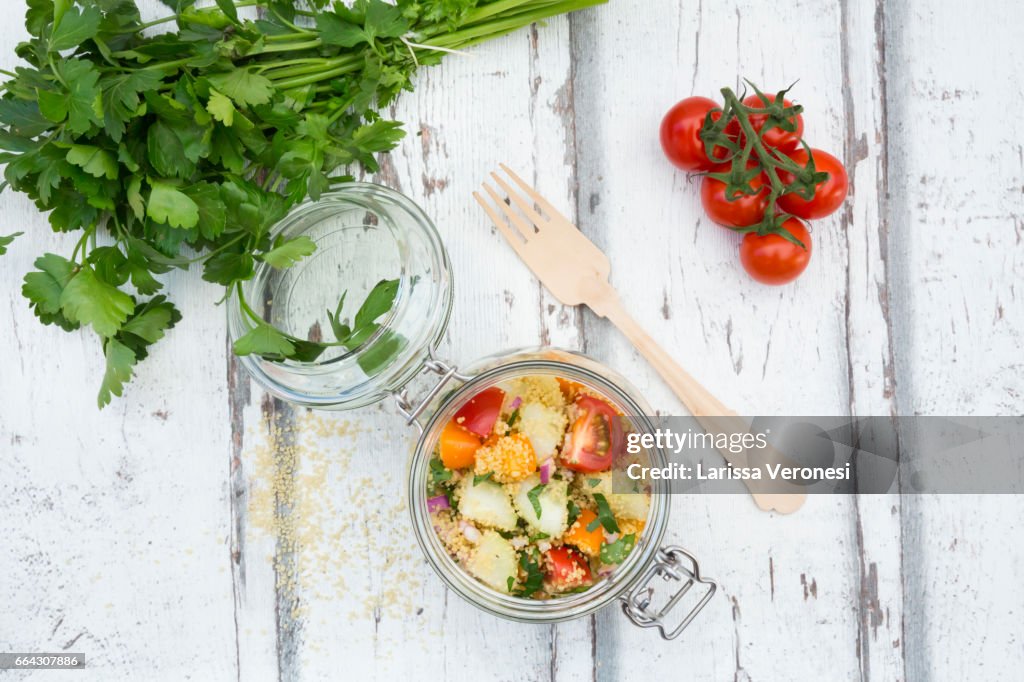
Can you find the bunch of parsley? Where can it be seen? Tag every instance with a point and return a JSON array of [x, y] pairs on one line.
[[164, 150]]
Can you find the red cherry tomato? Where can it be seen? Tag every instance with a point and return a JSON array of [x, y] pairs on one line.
[[596, 436], [680, 134], [738, 211], [480, 413], [828, 195], [567, 568], [772, 259], [783, 140]]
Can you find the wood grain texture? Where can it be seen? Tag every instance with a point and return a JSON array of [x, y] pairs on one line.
[[198, 528]]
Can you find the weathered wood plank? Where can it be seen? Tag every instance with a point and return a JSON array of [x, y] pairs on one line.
[[99, 553], [763, 350], [379, 597], [955, 177], [869, 347]]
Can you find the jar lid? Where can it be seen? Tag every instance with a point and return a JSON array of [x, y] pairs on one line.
[[372, 243]]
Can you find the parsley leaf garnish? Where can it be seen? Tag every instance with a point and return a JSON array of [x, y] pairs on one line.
[[534, 497], [604, 516], [616, 552], [574, 512], [534, 580], [480, 478]]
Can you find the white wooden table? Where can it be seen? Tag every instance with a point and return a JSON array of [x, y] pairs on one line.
[[145, 536]]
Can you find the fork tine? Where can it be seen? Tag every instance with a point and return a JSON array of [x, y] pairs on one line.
[[537, 198], [515, 242], [524, 227], [523, 205]]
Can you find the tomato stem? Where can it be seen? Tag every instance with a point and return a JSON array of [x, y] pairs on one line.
[[769, 163]]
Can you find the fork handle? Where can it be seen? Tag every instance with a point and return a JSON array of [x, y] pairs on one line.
[[709, 411]]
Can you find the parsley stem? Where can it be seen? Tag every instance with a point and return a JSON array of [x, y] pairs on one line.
[[321, 75], [167, 65], [287, 47], [80, 246], [317, 65]]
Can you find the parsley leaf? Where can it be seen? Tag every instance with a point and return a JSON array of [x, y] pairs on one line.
[[44, 288], [593, 482], [287, 253], [121, 99], [264, 340], [93, 160], [243, 86], [534, 580], [74, 28], [6, 241], [377, 303], [604, 516], [336, 31], [341, 330], [221, 108], [168, 204], [81, 103], [616, 552], [88, 300], [574, 513], [534, 497], [480, 478], [120, 363]]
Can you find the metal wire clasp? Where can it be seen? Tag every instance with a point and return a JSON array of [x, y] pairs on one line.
[[670, 564], [440, 368]]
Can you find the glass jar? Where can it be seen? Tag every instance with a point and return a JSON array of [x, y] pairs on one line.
[[364, 233], [384, 232]]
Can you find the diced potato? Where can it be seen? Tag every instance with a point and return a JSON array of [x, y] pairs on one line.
[[544, 426], [493, 560], [553, 500], [486, 503], [633, 506]]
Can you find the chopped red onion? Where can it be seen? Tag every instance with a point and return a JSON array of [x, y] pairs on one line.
[[543, 545], [437, 503], [514, 405], [546, 468], [609, 538]]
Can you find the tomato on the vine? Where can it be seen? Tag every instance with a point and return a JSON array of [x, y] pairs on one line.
[[828, 195], [783, 140], [773, 259], [739, 210], [680, 134]]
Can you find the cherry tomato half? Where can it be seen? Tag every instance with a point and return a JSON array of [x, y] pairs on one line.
[[783, 140], [596, 436], [482, 410], [740, 210], [567, 568], [680, 134], [828, 195], [772, 259]]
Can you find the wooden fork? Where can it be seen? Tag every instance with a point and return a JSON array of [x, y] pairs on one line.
[[576, 271]]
